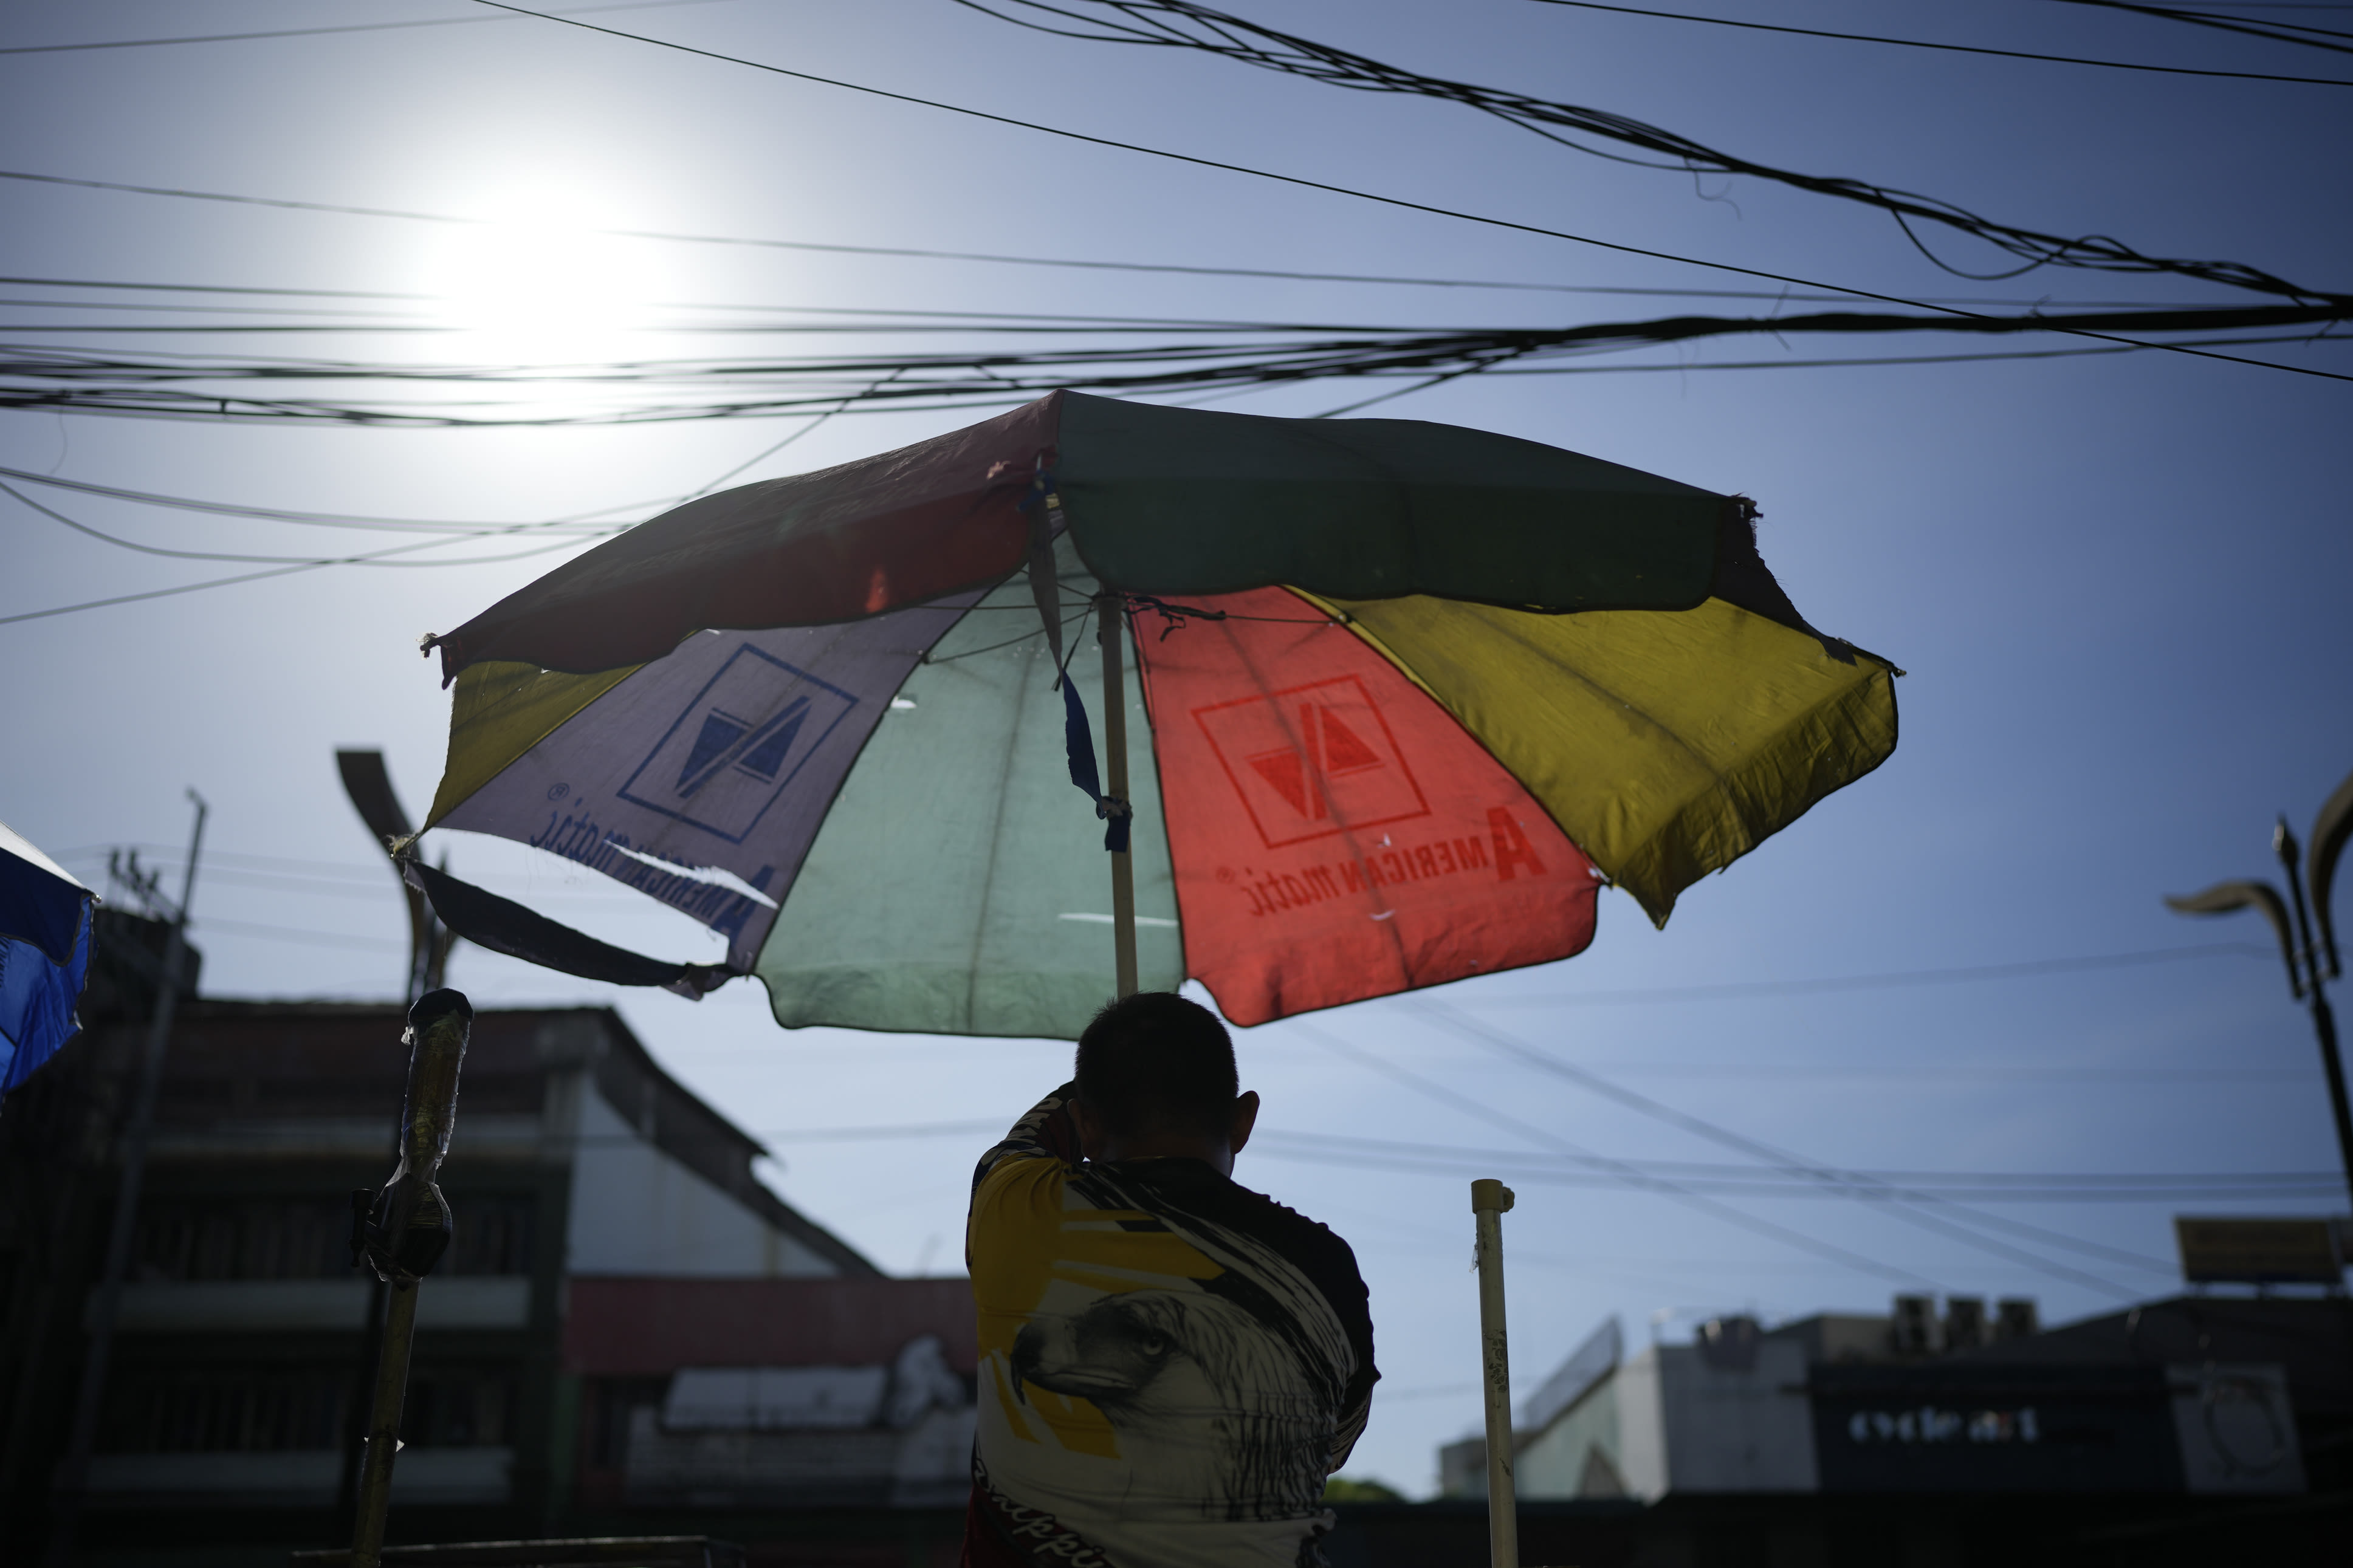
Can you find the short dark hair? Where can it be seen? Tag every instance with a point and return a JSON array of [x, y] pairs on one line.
[[1154, 1062]]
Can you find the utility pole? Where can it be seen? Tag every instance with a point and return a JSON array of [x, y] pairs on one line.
[[73, 1471], [2307, 932]]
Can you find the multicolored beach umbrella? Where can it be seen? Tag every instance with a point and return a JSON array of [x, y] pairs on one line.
[[1401, 699]]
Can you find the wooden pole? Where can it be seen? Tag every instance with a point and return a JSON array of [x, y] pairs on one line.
[[1489, 1201], [384, 1425], [1111, 631]]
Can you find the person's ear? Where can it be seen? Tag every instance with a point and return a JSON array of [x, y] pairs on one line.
[[1245, 1118]]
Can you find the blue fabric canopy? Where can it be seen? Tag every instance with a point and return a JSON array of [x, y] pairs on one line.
[[44, 936]]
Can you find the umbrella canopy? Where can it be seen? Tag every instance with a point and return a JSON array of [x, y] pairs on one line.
[[44, 933], [1409, 694]]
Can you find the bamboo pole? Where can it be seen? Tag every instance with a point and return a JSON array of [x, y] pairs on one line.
[[375, 1492], [402, 1236], [1489, 1201], [1112, 632]]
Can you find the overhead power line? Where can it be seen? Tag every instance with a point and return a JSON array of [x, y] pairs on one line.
[[1399, 201], [1900, 979], [1431, 1089], [308, 32], [281, 514], [1782, 295], [946, 382], [1923, 1210], [670, 237], [1186, 24], [2277, 32], [1376, 1153], [378, 557], [1946, 1218], [1948, 48], [1832, 292], [1050, 262], [213, 386]]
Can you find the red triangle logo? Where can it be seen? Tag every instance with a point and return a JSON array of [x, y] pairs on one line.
[[1286, 772], [1343, 749]]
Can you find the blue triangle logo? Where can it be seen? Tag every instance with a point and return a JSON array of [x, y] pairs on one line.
[[719, 732], [767, 755]]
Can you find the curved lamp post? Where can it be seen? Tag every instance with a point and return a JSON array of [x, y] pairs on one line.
[[2311, 958]]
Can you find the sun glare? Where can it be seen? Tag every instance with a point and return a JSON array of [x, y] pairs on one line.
[[541, 286]]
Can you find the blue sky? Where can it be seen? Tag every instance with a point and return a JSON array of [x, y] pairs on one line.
[[2119, 584]]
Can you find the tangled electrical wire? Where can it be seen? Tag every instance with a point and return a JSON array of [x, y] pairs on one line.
[[1183, 24], [1146, 358]]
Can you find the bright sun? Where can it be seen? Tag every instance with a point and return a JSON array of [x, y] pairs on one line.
[[541, 286]]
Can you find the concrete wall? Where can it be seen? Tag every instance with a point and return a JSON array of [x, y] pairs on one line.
[[1667, 1420], [1730, 1430], [1577, 1454], [1642, 1427], [637, 1211]]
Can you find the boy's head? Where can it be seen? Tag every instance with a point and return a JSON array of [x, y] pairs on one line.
[[1157, 1066]]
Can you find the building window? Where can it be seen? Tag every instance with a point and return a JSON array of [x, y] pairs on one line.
[[246, 1410], [494, 1236], [612, 1402], [231, 1239], [234, 1411], [459, 1410], [240, 1238]]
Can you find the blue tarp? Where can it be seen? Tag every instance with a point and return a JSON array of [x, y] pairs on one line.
[[44, 936]]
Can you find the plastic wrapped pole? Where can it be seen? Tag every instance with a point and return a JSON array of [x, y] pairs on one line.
[[1489, 1199], [403, 1232]]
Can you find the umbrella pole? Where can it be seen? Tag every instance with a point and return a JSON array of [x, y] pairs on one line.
[[1111, 631]]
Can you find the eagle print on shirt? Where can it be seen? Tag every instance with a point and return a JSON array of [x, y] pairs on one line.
[[1170, 1364]]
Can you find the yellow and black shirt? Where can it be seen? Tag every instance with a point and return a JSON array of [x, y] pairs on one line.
[[1170, 1364]]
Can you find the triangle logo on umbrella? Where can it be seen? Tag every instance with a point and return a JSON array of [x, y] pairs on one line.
[[757, 748], [1328, 748], [738, 743], [1313, 760]]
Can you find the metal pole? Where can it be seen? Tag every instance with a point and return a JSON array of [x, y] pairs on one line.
[[73, 1470], [374, 1499], [2324, 1021], [1490, 1200], [1111, 631]]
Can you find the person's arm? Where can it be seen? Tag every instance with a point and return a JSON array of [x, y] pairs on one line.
[[1355, 1304], [1047, 1130]]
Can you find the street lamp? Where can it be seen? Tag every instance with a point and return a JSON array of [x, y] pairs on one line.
[[2293, 923]]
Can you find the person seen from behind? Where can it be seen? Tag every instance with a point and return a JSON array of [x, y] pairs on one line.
[[1171, 1364]]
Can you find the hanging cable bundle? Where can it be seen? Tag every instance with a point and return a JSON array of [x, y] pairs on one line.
[[1182, 23]]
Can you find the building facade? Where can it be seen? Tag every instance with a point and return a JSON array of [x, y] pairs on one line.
[[2193, 1396], [590, 1192]]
